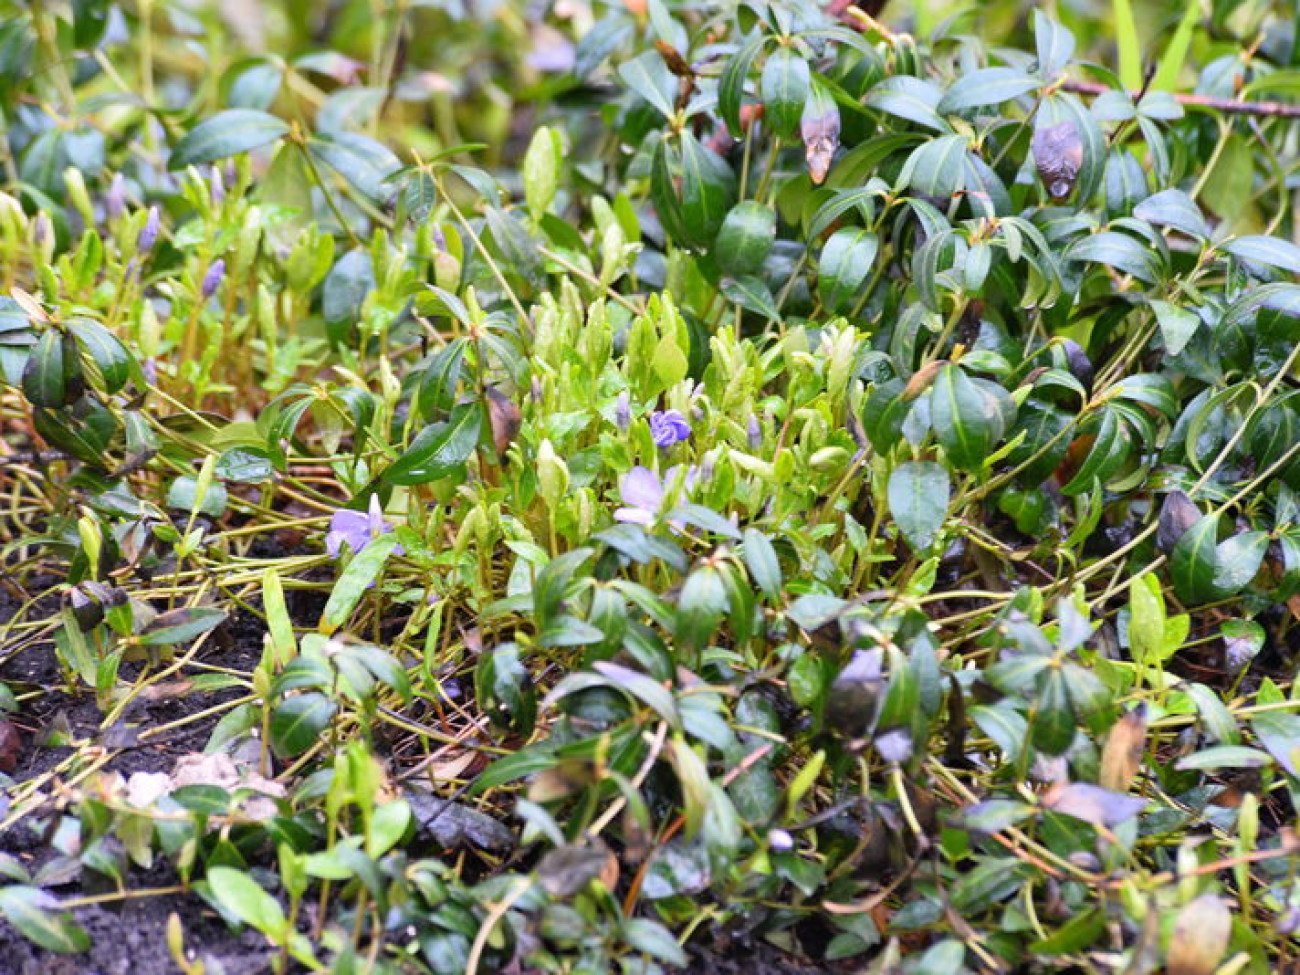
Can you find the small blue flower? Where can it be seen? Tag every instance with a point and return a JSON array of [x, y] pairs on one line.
[[357, 529], [212, 280], [668, 427], [623, 411], [149, 232]]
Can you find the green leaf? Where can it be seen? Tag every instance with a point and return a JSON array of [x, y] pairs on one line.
[[965, 422], [648, 76], [1177, 325], [1272, 251], [746, 238], [847, 259], [1054, 44], [918, 499], [1175, 56], [105, 350], [362, 161], [1173, 208], [225, 134], [700, 607], [708, 191], [785, 86], [35, 913], [1193, 563], [938, 168], [760, 558], [986, 86], [240, 895], [362, 571], [751, 294], [910, 99], [1120, 251], [1146, 621], [653, 939], [1129, 45], [1054, 723], [297, 722], [731, 86], [51, 370], [1237, 560], [438, 450], [181, 625]]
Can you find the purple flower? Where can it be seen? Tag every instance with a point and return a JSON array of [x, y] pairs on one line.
[[643, 491], [623, 411], [212, 280], [357, 529], [668, 427], [149, 232], [754, 433], [115, 198]]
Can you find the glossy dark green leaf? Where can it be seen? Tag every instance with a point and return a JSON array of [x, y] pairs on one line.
[[965, 419], [225, 134], [1194, 562], [104, 349], [1272, 251], [760, 558], [363, 162], [986, 86], [751, 294], [847, 260], [785, 85], [503, 688], [700, 607], [648, 76], [938, 168], [918, 500], [1173, 208], [297, 722], [182, 625], [1053, 723], [731, 85], [708, 191], [745, 238], [48, 379], [911, 99], [351, 585], [1120, 251], [440, 449]]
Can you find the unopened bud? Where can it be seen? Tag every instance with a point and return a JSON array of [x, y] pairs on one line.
[[623, 411], [149, 232], [212, 280]]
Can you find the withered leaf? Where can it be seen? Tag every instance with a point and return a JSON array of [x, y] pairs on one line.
[[1122, 756], [569, 869], [1092, 803], [1200, 937], [11, 746], [820, 131], [1058, 152], [504, 417], [1177, 514]]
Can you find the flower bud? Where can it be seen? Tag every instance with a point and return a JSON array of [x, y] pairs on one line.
[[115, 198], [212, 280], [623, 411], [149, 232], [754, 432], [552, 475]]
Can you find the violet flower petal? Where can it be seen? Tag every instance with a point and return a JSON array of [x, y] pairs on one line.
[[642, 488]]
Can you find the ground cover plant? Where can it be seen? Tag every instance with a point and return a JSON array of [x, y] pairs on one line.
[[632, 487]]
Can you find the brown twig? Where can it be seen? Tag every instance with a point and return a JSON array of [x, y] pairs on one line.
[[1231, 106]]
